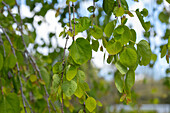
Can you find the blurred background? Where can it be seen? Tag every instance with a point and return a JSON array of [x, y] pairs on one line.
[[45, 20]]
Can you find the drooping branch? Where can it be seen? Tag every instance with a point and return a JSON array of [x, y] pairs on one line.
[[27, 52], [18, 70], [63, 60]]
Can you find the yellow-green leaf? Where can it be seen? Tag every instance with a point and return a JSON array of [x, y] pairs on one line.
[[113, 47], [90, 104], [71, 73], [96, 32], [33, 78]]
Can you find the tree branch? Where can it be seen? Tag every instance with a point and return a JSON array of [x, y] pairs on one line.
[[29, 55], [18, 70]]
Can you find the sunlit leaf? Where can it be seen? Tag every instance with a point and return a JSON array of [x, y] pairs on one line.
[[128, 57], [71, 73], [90, 103], [108, 30], [96, 32], [113, 47], [164, 51]]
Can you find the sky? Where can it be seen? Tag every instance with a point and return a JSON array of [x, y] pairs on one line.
[[52, 25]]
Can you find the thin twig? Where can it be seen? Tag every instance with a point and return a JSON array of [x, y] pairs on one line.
[[119, 3], [73, 20], [53, 106], [18, 70], [28, 104], [84, 107]]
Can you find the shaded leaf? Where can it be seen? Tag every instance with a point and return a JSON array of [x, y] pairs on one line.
[[119, 81], [144, 50], [69, 87]]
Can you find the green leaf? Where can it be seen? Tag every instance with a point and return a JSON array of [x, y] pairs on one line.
[[99, 103], [122, 69], [1, 60], [33, 78], [144, 51], [57, 68], [91, 9], [81, 51], [96, 32], [154, 57], [108, 6], [79, 91], [133, 38], [82, 24], [126, 36], [69, 87], [120, 11], [145, 25], [81, 76], [144, 12], [90, 103], [164, 17], [119, 30], [45, 75], [12, 61], [128, 57], [119, 81], [164, 51], [10, 104], [110, 58], [108, 30], [130, 79], [71, 73], [95, 45], [113, 47], [56, 81]]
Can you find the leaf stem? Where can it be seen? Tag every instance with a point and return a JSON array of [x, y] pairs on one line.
[[119, 3]]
